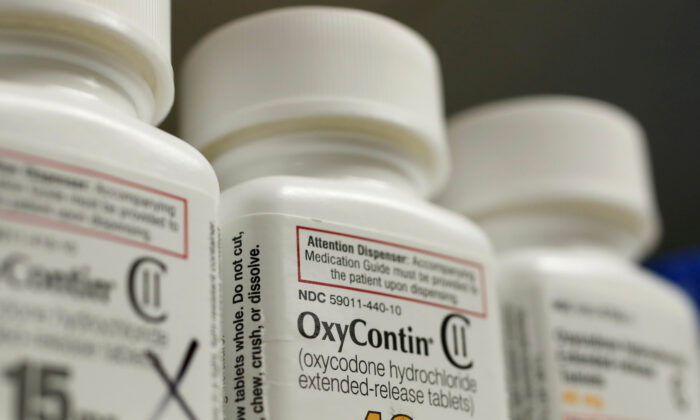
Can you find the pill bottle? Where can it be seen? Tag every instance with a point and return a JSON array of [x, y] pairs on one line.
[[108, 226], [346, 293], [562, 186]]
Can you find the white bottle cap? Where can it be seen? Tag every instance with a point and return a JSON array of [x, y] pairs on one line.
[[557, 152], [306, 68], [137, 32]]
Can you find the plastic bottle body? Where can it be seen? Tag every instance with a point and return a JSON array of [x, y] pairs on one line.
[[562, 186], [357, 300], [109, 271], [590, 336]]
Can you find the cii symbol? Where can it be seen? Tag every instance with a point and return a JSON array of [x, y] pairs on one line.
[[145, 289], [454, 340]]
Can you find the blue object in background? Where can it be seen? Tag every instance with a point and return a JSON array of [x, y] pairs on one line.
[[682, 268]]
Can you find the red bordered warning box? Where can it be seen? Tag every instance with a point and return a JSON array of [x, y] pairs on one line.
[[475, 305], [175, 244]]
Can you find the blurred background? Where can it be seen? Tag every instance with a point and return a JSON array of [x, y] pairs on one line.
[[643, 56]]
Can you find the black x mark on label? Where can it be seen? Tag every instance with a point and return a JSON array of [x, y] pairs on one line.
[[172, 384]]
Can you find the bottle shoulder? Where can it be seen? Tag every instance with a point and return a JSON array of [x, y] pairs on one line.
[[62, 128], [353, 203], [597, 273]]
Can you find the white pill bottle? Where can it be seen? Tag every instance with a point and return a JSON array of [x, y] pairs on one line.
[[108, 230], [346, 294], [562, 186]]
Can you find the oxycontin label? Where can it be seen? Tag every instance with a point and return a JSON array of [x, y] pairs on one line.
[[575, 353], [108, 294], [322, 320]]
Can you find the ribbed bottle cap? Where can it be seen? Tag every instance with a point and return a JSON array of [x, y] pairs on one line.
[[135, 31], [306, 68], [554, 151]]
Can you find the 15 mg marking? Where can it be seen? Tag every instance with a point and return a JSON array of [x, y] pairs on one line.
[[41, 393]]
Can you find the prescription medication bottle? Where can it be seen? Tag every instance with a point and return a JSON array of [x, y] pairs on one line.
[[346, 293], [562, 186], [108, 228]]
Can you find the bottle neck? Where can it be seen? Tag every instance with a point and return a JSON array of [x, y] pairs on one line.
[[564, 231], [74, 70], [323, 155]]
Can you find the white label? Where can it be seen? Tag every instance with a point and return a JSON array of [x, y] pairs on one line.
[[108, 294], [577, 354], [324, 321]]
